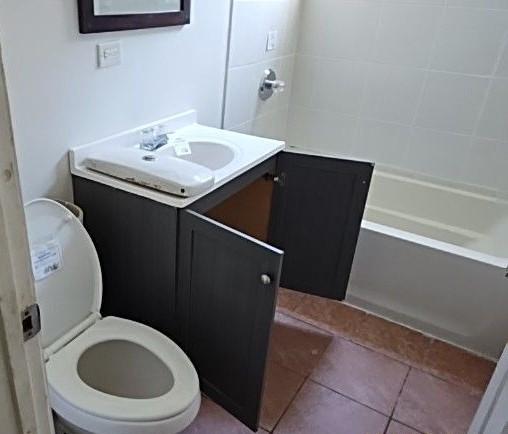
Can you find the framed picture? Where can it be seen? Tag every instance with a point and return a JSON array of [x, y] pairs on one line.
[[97, 16]]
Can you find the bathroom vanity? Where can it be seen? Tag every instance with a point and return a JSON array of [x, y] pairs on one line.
[[205, 270]]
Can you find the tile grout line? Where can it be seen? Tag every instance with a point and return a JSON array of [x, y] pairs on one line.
[[312, 380], [456, 381], [306, 378], [400, 391]]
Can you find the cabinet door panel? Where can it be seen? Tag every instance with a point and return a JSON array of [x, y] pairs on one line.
[[226, 310], [317, 211], [135, 239]]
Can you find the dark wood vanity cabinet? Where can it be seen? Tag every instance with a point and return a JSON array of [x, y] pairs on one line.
[[207, 276]]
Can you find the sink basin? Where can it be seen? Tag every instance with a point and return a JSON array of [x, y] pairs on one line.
[[163, 170], [216, 156], [213, 155]]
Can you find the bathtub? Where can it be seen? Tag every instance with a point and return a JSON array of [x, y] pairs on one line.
[[433, 256]]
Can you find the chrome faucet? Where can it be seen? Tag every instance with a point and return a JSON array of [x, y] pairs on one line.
[[270, 85], [152, 139]]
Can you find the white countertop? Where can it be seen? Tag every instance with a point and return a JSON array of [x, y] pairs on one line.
[[251, 151]]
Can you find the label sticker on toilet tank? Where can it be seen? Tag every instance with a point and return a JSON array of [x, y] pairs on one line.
[[46, 259]]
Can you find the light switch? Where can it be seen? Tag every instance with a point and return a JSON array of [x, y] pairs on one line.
[[109, 54], [271, 43]]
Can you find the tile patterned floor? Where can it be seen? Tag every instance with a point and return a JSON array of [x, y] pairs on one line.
[[336, 369]]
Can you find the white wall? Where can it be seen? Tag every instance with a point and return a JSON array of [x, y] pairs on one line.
[[251, 21], [60, 99], [420, 85]]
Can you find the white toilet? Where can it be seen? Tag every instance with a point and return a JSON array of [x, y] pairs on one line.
[[105, 376]]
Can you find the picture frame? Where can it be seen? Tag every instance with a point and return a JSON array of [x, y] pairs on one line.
[[90, 22]]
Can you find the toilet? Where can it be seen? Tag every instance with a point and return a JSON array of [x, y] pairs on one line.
[[105, 375]]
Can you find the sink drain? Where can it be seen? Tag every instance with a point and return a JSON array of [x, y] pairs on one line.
[[149, 158]]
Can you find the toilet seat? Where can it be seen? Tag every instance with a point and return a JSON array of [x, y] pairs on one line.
[[64, 380], [69, 293]]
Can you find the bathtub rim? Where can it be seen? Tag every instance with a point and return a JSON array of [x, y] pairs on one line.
[[436, 244]]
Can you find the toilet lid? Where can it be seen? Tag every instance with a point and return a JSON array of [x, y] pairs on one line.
[[65, 266]]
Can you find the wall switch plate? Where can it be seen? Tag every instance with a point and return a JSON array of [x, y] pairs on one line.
[[109, 54], [271, 43]]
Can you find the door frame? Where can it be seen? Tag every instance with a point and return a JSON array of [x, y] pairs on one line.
[[492, 415], [22, 361]]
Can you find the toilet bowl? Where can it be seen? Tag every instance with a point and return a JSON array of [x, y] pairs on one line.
[[105, 375]]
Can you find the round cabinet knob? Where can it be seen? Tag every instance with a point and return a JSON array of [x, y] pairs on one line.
[[266, 279]]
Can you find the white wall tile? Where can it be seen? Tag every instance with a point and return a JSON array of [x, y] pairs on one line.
[[312, 129], [316, 33], [502, 67], [406, 34], [392, 93], [252, 20], [494, 120], [382, 143], [486, 164], [272, 125], [304, 80], [339, 29], [242, 102], [338, 86], [440, 154], [364, 70], [486, 4], [469, 40], [417, 2], [451, 102]]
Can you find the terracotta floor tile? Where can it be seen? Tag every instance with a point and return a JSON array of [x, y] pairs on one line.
[[393, 340], [212, 419], [434, 406], [296, 345], [288, 301], [362, 374], [329, 315], [318, 410], [281, 386], [398, 428], [459, 366]]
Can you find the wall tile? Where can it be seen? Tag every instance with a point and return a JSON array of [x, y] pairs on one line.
[[317, 27], [243, 103], [440, 154], [417, 2], [502, 67], [406, 34], [487, 164], [339, 29], [451, 102], [382, 142], [469, 40], [486, 4], [392, 93], [494, 120], [252, 20], [305, 78], [325, 131], [339, 85], [366, 70]]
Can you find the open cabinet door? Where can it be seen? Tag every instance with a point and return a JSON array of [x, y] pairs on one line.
[[317, 211], [227, 287], [23, 394]]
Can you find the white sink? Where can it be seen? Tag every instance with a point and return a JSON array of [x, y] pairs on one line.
[[217, 156], [213, 155]]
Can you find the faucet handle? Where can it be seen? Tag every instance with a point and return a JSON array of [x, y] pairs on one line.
[[270, 85]]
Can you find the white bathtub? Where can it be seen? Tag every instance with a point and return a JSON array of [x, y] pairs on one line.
[[434, 257]]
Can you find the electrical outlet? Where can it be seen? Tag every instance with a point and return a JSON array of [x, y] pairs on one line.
[[109, 54], [272, 40]]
